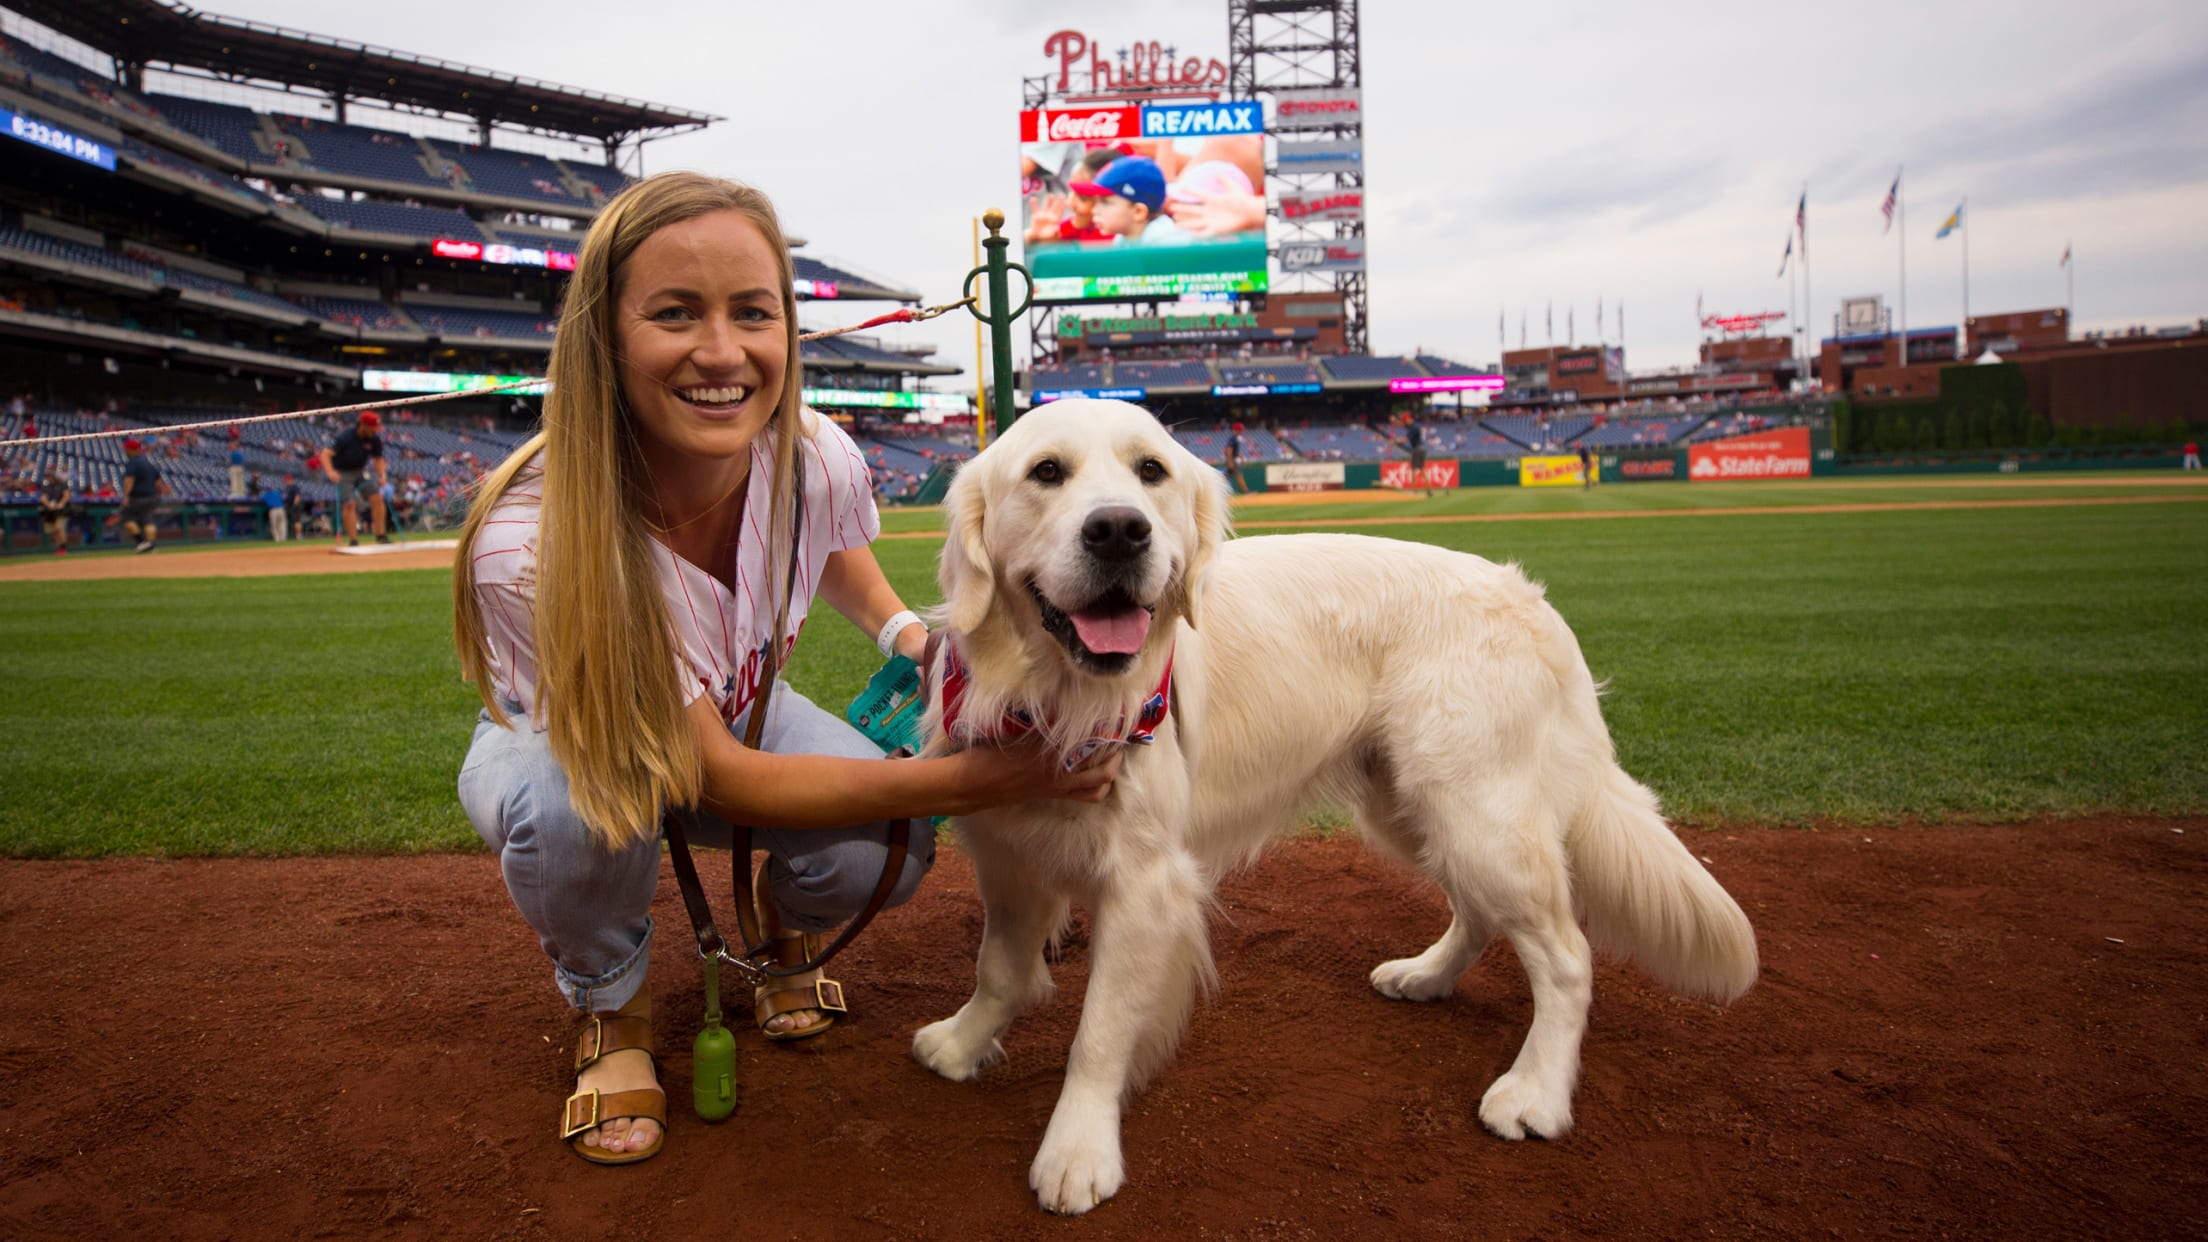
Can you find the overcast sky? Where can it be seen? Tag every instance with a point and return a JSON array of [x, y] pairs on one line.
[[1516, 155]]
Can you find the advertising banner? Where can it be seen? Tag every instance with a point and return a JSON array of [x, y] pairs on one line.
[[1448, 383], [1105, 394], [1327, 155], [1316, 108], [56, 139], [956, 403], [1305, 476], [1436, 475], [1780, 454], [1322, 205], [1158, 201], [440, 381], [1650, 469], [1551, 471], [1333, 254]]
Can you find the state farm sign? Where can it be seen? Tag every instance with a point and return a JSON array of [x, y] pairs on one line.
[[1780, 454], [1080, 124]]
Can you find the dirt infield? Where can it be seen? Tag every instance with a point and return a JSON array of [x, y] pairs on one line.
[[1988, 1032]]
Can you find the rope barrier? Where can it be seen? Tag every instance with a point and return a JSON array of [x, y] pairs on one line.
[[903, 314]]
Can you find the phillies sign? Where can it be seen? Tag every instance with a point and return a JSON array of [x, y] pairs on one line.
[[1080, 124], [1780, 454], [1134, 67]]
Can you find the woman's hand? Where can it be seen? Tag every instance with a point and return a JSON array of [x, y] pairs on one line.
[[994, 775]]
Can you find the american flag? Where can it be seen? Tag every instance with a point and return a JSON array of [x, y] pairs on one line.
[[1787, 256], [1801, 220], [2065, 255], [1893, 199]]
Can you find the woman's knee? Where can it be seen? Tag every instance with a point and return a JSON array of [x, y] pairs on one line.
[[821, 888]]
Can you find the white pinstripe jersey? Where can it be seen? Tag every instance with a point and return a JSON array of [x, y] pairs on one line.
[[722, 633]]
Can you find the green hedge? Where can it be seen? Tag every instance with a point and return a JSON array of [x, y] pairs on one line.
[[1980, 408]]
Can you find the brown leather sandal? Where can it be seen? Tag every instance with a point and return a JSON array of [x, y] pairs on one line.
[[796, 994], [615, 1031]]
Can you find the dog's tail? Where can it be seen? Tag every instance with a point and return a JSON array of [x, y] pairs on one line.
[[1643, 895]]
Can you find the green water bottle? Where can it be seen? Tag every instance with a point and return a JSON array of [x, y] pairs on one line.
[[713, 1056]]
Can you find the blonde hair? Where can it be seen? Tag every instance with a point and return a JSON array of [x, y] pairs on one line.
[[607, 687]]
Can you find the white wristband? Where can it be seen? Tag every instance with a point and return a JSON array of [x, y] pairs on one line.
[[887, 639]]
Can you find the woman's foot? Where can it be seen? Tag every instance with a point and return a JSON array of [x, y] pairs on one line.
[[618, 1113], [798, 1006]]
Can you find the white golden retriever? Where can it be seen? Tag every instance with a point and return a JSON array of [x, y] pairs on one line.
[[1436, 693]]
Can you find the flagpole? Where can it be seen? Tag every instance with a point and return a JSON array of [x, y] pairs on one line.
[[1801, 228], [1902, 214], [2070, 289], [1962, 218]]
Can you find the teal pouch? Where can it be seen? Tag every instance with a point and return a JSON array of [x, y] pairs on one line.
[[888, 710]]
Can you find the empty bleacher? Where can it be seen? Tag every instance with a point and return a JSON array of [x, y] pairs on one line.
[[1057, 379], [356, 151], [1210, 444], [1358, 368], [1339, 443], [454, 321], [1187, 373], [1268, 373], [356, 313], [227, 128], [608, 180], [508, 174], [396, 219]]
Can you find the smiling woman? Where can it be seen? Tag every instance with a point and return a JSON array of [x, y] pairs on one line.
[[675, 453]]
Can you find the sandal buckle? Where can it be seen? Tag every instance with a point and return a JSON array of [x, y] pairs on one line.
[[830, 995], [588, 1041], [574, 1126]]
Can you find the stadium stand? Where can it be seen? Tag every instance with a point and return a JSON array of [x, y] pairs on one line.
[[394, 219], [451, 321], [1467, 438], [357, 313], [1258, 444], [1269, 373], [508, 174], [1193, 373], [235, 131], [1362, 367], [607, 181], [1340, 443], [355, 151], [1048, 379]]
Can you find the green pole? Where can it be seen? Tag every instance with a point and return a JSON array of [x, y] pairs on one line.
[[999, 314]]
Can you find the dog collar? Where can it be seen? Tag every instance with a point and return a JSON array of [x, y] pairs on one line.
[[1018, 721]]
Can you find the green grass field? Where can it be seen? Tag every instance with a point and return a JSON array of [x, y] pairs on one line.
[[1780, 668]]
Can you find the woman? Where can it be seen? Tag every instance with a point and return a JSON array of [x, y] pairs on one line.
[[620, 580]]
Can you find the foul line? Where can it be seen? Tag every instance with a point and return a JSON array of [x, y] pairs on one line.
[[1897, 506]]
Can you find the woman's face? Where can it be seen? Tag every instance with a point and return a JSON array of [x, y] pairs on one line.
[[702, 338]]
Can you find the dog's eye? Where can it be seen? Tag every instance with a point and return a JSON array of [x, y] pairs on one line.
[[1047, 472], [1152, 470]]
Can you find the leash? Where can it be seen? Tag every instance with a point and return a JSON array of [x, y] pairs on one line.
[[713, 1084]]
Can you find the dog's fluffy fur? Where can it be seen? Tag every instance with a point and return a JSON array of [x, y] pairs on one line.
[[1435, 692]]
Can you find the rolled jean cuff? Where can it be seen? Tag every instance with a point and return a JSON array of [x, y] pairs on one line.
[[613, 989]]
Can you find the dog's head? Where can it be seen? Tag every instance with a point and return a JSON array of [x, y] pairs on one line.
[[1085, 524]]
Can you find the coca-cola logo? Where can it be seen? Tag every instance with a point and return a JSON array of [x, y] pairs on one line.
[[1134, 66], [1080, 124]]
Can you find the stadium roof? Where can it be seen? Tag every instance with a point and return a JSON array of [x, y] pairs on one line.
[[167, 35]]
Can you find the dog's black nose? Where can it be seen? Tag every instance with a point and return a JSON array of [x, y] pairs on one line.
[[1116, 534]]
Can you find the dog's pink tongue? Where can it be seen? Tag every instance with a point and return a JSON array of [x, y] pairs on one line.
[[1117, 632]]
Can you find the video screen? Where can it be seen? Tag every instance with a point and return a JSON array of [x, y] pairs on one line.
[[1152, 202]]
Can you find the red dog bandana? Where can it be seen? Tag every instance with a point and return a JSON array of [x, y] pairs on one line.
[[1014, 723]]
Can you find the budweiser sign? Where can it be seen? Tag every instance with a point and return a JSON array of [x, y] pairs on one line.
[[1080, 124], [1133, 67], [1781, 454]]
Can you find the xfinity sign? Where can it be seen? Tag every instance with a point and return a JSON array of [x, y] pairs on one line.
[[1201, 120]]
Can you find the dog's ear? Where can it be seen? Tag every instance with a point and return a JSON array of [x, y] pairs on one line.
[[1211, 523], [965, 573]]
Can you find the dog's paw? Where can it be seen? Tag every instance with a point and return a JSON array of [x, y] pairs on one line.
[[1518, 1105], [1411, 979], [939, 1047], [1079, 1165]]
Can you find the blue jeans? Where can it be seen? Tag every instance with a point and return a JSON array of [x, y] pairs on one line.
[[591, 907]]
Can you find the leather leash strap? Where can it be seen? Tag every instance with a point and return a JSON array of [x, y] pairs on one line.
[[756, 958]]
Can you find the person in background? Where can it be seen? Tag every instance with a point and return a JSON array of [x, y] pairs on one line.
[[279, 520], [1234, 458], [54, 505], [141, 492], [1586, 468], [237, 466], [347, 466], [2192, 455]]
